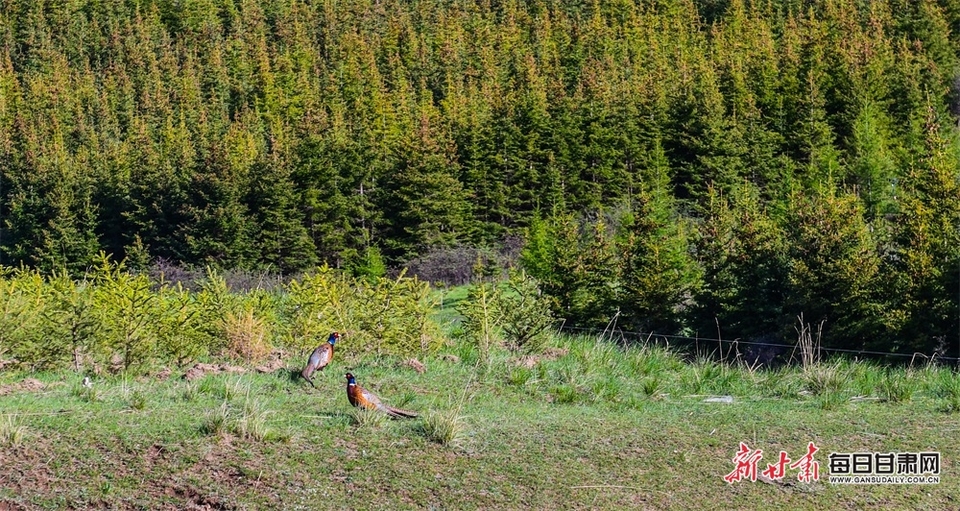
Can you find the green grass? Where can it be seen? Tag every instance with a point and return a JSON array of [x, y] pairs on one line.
[[12, 432], [444, 427], [598, 427]]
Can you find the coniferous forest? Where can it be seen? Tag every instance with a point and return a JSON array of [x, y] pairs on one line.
[[710, 167]]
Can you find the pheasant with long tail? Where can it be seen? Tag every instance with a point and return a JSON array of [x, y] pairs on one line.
[[320, 358], [360, 397]]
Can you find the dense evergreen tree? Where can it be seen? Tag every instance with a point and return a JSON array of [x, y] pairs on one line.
[[284, 134], [743, 252]]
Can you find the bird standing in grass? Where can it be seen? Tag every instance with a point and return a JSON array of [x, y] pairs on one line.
[[320, 358], [359, 396]]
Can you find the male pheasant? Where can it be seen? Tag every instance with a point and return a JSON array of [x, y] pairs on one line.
[[359, 396], [320, 358]]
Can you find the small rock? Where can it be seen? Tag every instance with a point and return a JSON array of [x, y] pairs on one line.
[[416, 365], [116, 363], [720, 399]]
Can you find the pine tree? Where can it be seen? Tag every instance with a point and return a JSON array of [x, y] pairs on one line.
[[427, 205], [929, 237], [833, 266], [282, 240], [743, 252], [659, 275]]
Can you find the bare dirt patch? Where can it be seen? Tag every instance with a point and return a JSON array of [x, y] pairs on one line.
[[27, 385], [416, 365], [200, 370], [550, 354], [271, 367], [196, 500]]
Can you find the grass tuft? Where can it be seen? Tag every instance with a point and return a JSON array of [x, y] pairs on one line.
[[653, 361], [229, 391], [138, 400], [87, 394], [520, 376], [216, 421], [651, 387], [867, 378], [252, 422], [897, 388], [565, 393], [405, 399], [948, 388], [701, 376], [607, 390], [444, 428], [190, 392], [782, 383], [831, 400], [364, 418], [12, 432], [822, 379]]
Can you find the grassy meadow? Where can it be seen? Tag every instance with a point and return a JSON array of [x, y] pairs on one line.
[[583, 425]]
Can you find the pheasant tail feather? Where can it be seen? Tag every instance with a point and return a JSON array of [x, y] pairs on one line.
[[397, 412]]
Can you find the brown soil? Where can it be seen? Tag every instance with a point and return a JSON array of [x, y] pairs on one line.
[[271, 367], [208, 483], [416, 365], [200, 370], [27, 385], [530, 361]]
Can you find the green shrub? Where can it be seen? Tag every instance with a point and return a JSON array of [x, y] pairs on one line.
[[482, 315], [525, 314], [111, 316], [21, 308], [129, 310]]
